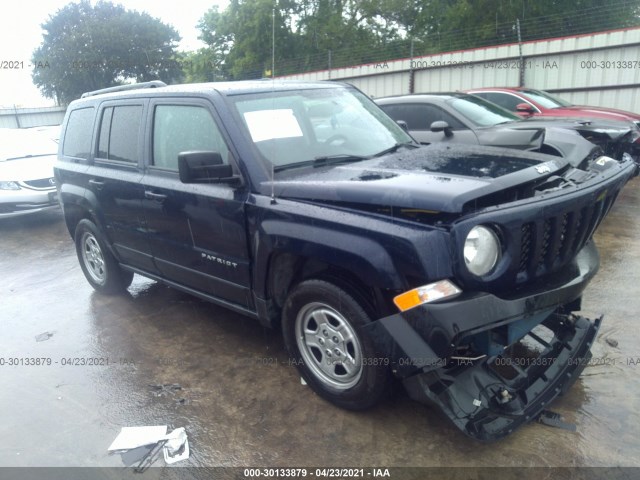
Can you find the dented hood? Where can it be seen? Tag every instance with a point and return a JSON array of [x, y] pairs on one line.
[[438, 178]]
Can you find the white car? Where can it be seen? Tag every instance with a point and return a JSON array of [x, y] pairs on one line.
[[27, 184]]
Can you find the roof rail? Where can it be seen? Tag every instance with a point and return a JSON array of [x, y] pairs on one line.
[[122, 88]]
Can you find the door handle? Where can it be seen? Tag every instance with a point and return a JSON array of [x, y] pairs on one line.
[[158, 197], [96, 183]]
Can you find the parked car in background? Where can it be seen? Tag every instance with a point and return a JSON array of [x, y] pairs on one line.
[[527, 102], [462, 118], [27, 184], [50, 131]]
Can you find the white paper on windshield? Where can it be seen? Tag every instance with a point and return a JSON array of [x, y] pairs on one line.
[[134, 437], [270, 124]]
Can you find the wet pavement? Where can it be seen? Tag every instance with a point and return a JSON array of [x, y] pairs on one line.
[[156, 356]]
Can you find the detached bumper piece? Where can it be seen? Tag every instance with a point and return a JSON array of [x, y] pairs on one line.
[[491, 397]]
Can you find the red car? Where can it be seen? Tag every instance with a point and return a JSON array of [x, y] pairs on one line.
[[528, 102]]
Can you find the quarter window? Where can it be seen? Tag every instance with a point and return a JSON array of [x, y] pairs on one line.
[[77, 139], [181, 128]]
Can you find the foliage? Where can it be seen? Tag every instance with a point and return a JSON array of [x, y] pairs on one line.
[[91, 47], [316, 34], [201, 66]]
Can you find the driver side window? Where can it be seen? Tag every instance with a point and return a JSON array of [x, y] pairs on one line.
[[180, 128], [419, 117]]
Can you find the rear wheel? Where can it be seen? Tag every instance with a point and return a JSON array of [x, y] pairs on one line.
[[322, 331], [98, 264]]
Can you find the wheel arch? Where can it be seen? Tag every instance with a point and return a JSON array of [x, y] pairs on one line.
[[285, 270]]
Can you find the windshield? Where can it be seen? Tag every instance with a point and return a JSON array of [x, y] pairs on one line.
[[545, 100], [481, 112], [300, 126], [16, 143]]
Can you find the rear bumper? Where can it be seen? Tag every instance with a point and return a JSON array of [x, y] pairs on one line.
[[428, 347], [22, 202]]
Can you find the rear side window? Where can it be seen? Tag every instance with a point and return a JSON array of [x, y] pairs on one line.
[[77, 137], [180, 128], [120, 133], [503, 99]]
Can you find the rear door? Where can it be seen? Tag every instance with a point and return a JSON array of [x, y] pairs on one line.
[[197, 231], [115, 178]]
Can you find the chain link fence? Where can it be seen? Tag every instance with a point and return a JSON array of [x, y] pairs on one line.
[[601, 18]]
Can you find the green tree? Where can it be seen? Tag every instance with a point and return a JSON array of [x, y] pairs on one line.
[[305, 30], [89, 47], [367, 31], [241, 36], [443, 25], [201, 66]]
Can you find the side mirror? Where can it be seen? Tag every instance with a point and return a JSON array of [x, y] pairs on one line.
[[403, 125], [442, 126], [525, 108], [204, 167]]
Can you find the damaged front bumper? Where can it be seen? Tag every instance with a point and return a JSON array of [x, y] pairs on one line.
[[490, 398], [493, 364]]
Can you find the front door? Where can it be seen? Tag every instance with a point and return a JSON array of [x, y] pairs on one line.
[[197, 232]]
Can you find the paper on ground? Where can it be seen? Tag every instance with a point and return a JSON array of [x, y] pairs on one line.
[[134, 437]]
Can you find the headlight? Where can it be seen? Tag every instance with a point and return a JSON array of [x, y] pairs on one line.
[[9, 185], [481, 250]]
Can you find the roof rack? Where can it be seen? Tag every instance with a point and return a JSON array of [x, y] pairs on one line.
[[122, 88]]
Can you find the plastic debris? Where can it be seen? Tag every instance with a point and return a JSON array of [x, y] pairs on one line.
[[160, 390], [44, 336], [176, 447], [553, 419]]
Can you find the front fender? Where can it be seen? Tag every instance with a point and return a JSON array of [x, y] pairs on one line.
[[362, 256], [385, 253]]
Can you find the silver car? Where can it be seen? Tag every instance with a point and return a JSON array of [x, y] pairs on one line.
[[26, 172]]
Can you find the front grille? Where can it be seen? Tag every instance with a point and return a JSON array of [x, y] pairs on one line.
[[548, 243], [41, 183]]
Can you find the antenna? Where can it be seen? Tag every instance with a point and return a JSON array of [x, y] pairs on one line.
[[273, 73], [273, 193]]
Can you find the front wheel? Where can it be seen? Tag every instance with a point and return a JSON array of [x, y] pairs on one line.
[[98, 264], [321, 327]]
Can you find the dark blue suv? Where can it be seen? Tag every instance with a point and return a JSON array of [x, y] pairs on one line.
[[305, 206]]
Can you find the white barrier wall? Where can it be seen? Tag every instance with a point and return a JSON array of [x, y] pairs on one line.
[[31, 117], [601, 69]]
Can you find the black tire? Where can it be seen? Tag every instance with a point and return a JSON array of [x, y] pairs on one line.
[[320, 325], [98, 264]]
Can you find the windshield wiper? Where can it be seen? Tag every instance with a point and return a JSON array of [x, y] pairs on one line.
[[338, 158], [321, 161], [394, 149], [325, 160]]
